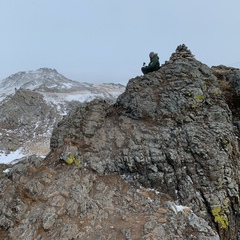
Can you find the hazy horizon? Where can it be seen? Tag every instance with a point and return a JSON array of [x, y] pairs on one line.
[[107, 41]]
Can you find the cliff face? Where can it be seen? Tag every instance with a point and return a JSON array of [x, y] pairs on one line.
[[171, 132]]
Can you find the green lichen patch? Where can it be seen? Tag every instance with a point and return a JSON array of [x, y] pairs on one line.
[[71, 155], [70, 160], [199, 98], [203, 87], [220, 216]]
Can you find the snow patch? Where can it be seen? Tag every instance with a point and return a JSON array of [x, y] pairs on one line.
[[179, 208], [8, 158]]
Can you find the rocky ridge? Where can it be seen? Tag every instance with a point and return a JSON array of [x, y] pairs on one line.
[[33, 102], [46, 80], [160, 163]]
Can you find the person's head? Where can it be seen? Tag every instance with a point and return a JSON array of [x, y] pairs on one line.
[[151, 54]]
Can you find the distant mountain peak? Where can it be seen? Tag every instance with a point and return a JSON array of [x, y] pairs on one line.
[[31, 102], [47, 69], [44, 71], [50, 80]]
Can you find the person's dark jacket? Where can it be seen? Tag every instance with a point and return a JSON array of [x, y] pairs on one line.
[[154, 65]]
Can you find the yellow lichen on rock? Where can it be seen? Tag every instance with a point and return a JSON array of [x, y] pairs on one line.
[[70, 160], [77, 161], [220, 217], [199, 98]]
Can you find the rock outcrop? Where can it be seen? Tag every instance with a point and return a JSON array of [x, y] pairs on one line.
[[171, 130], [167, 142], [25, 120], [31, 103], [229, 81]]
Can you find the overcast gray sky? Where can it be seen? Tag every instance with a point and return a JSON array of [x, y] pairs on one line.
[[108, 40]]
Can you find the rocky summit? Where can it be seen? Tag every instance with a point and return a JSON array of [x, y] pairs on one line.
[[160, 163]]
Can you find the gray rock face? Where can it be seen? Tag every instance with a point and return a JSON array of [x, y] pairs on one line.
[[228, 74], [26, 116], [229, 80], [160, 163], [31, 103], [171, 130], [72, 202]]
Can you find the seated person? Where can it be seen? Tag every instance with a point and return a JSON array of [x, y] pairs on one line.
[[154, 64]]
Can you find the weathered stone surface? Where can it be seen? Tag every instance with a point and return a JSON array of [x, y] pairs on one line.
[[170, 130], [26, 115], [168, 142], [80, 204], [228, 74], [32, 102], [229, 81]]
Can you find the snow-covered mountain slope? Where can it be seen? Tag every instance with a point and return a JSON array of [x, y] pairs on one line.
[[32, 102], [48, 81]]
